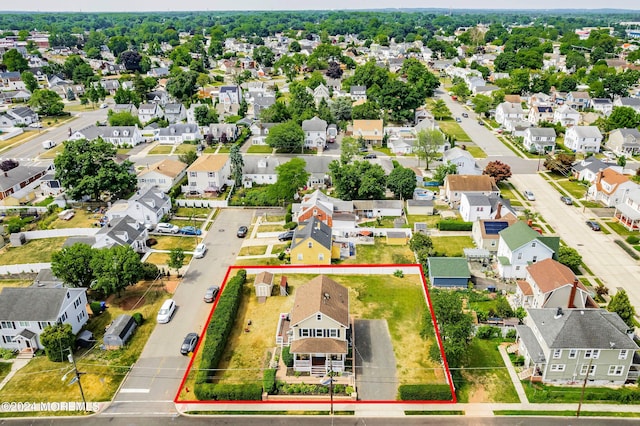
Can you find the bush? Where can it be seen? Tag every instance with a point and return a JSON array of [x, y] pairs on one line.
[[288, 216], [226, 392], [96, 307], [138, 318], [632, 239], [627, 249], [287, 358], [56, 339], [518, 361], [511, 334], [269, 381], [220, 327], [488, 332], [398, 273], [290, 225], [149, 271], [454, 225], [6, 353], [425, 393]]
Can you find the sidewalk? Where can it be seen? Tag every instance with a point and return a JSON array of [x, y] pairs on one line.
[[514, 376], [16, 364]]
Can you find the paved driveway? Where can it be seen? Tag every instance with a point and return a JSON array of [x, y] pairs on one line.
[[153, 381], [375, 361]]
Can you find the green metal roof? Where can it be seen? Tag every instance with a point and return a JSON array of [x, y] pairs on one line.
[[518, 235], [504, 260], [449, 267], [552, 242]]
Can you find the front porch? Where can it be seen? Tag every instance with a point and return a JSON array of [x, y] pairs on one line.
[[627, 217], [319, 364]]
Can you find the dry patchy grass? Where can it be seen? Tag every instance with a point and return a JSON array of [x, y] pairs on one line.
[[34, 251], [252, 250], [161, 259], [381, 253], [271, 228], [82, 219], [15, 283], [166, 242]]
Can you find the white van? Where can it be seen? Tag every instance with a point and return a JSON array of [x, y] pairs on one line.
[[166, 311], [48, 144]]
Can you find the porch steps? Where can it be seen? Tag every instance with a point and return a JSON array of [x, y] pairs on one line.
[[25, 354], [512, 349], [525, 374], [319, 370]]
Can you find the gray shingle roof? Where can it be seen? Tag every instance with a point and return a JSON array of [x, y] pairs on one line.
[[582, 328], [19, 174], [314, 229], [33, 303], [588, 132], [124, 230], [543, 132], [316, 124]]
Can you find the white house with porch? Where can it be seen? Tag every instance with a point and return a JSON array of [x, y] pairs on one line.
[[26, 311], [318, 328]]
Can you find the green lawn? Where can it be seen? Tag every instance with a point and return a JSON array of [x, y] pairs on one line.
[[161, 150], [277, 248], [271, 228], [265, 261], [383, 222], [34, 251], [184, 148], [166, 242], [192, 212], [381, 253], [5, 367], [565, 413], [259, 149], [452, 246], [431, 221], [15, 283], [252, 250], [186, 222], [483, 383], [539, 393], [620, 230], [507, 190], [476, 151], [576, 189], [452, 128], [386, 151]]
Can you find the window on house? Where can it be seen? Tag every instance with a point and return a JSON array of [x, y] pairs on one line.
[[623, 354], [519, 256], [211, 174], [305, 332], [321, 256], [7, 339], [615, 370], [319, 332], [558, 367], [557, 353], [299, 256], [193, 174], [535, 258], [310, 244], [334, 332], [319, 317], [7, 324], [573, 353], [23, 323], [584, 367], [592, 354], [533, 244]]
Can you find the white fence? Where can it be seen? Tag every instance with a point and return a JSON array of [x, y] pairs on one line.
[[376, 232], [65, 232], [10, 133], [185, 202], [29, 209], [23, 267], [334, 269]]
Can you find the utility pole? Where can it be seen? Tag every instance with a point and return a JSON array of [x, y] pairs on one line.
[[584, 385], [77, 379], [331, 385]]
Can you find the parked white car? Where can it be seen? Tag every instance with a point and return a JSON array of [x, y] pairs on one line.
[[529, 195], [166, 311], [200, 251], [167, 228]]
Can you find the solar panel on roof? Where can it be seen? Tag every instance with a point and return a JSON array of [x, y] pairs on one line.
[[492, 228]]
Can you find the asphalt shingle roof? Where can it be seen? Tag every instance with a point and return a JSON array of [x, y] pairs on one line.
[[449, 267], [33, 303]]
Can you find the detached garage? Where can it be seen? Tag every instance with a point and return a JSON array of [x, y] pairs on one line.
[[120, 331], [448, 271], [420, 207]]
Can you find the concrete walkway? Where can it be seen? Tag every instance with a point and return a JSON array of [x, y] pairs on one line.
[[514, 376], [16, 364]]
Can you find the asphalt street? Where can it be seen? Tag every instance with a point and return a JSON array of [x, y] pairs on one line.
[[152, 383]]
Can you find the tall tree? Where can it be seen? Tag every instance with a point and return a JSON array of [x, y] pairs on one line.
[[368, 110], [87, 168], [455, 327], [46, 102], [188, 157], [286, 137], [440, 110], [428, 145], [402, 181], [237, 163], [360, 180], [292, 176], [570, 257], [621, 305], [73, 265], [56, 339], [498, 170], [14, 61], [123, 118], [204, 115], [116, 268], [131, 60], [341, 109], [183, 85], [29, 81], [176, 259]]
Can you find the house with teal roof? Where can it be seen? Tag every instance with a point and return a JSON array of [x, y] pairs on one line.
[[520, 246], [449, 272]]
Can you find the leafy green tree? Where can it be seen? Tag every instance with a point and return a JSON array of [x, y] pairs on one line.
[[301, 103], [482, 104], [286, 137], [264, 56], [188, 157], [402, 181], [570, 257], [621, 161], [292, 176], [73, 265], [126, 96], [348, 149], [123, 118], [14, 61], [29, 81], [288, 66], [443, 170], [440, 110], [420, 241], [183, 85], [276, 113], [369, 110], [341, 109], [205, 116], [77, 69], [87, 168], [621, 305], [46, 102], [117, 45], [622, 117], [237, 163], [176, 259], [360, 180], [455, 327], [498, 170], [428, 145], [115, 268], [57, 339]]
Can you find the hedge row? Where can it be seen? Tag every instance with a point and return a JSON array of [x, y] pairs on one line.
[[269, 381], [626, 248], [287, 358], [220, 326], [227, 392], [425, 393], [454, 225]]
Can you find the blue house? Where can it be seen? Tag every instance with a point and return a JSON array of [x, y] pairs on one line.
[[448, 272]]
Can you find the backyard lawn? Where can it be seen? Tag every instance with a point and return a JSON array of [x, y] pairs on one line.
[[166, 242], [383, 222], [452, 128], [431, 221], [82, 219], [40, 379], [15, 283], [483, 384], [381, 253], [398, 300], [34, 251], [451, 246]]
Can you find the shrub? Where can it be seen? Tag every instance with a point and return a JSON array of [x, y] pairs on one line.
[[6, 353], [269, 381], [487, 332], [149, 271], [511, 334], [281, 255], [288, 216], [632, 239], [349, 390], [518, 361], [398, 273], [290, 225], [227, 392], [454, 225], [138, 318], [627, 249], [56, 339], [96, 308], [424, 392], [482, 315], [287, 358], [220, 327]]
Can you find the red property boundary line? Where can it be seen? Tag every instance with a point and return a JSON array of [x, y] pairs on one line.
[[453, 400]]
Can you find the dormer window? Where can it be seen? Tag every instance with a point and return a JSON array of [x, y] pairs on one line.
[[125, 133], [116, 133]]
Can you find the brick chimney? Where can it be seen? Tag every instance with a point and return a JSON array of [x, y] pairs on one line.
[[572, 295], [499, 211]]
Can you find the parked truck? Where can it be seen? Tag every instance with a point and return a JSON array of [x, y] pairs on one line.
[[48, 144]]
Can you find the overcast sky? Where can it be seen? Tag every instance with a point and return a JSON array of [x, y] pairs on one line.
[[165, 5]]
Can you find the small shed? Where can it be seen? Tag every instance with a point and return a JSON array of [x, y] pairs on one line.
[[119, 332], [449, 271], [284, 286], [263, 284], [397, 238], [420, 207]]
